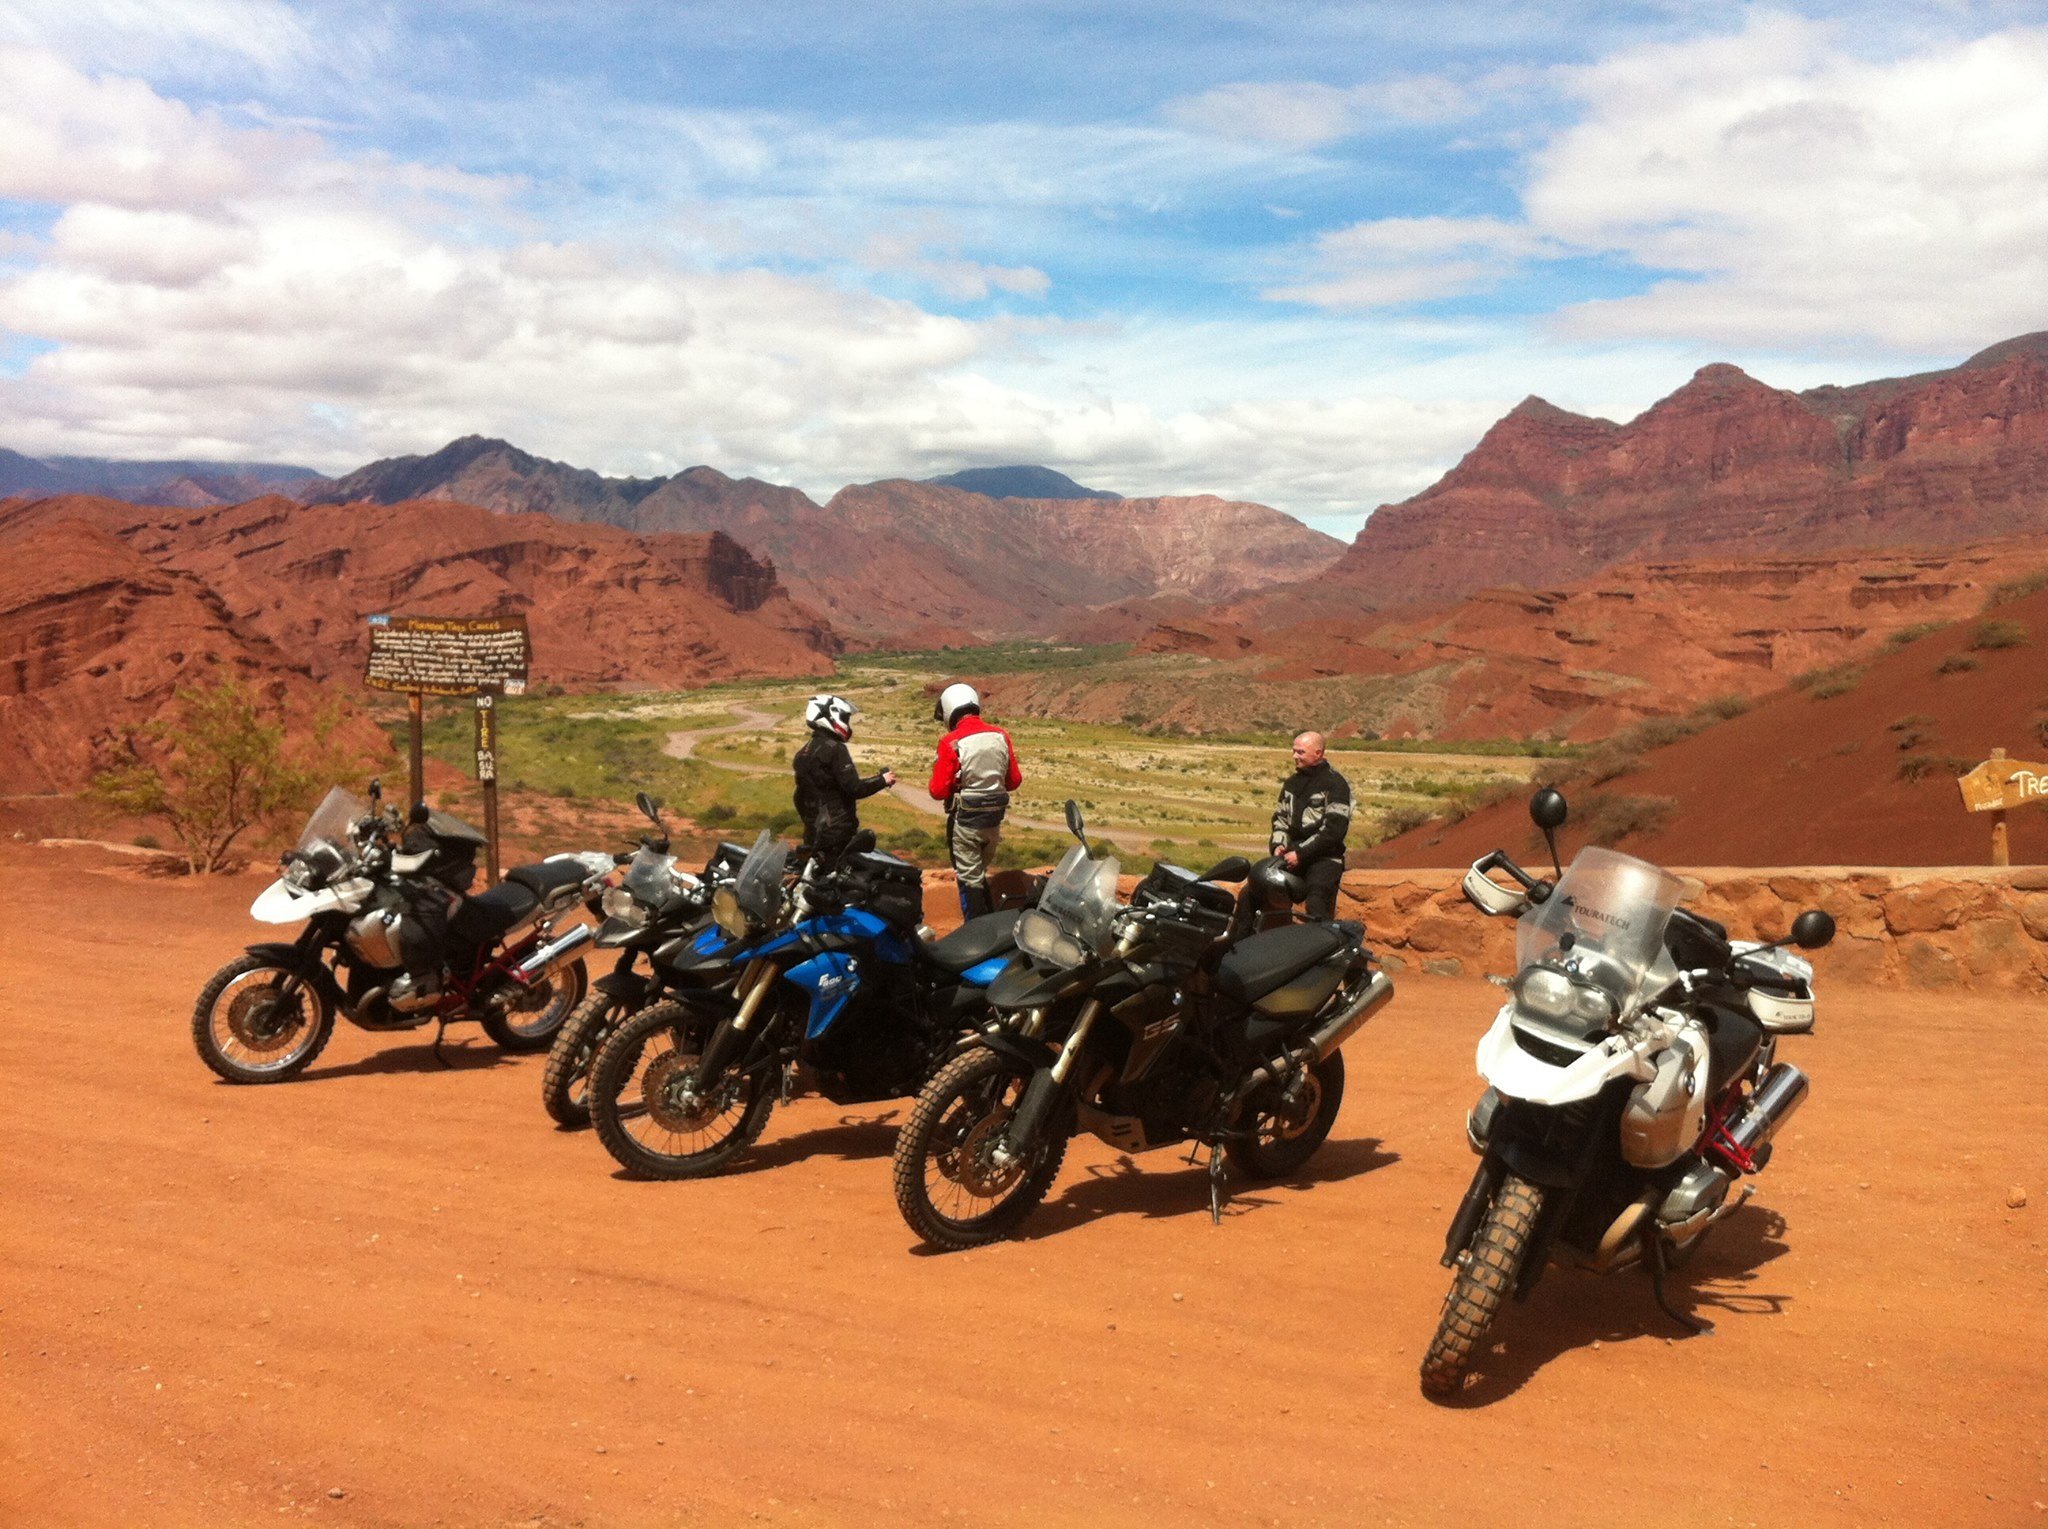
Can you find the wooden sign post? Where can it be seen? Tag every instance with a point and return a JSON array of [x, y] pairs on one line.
[[1997, 786], [483, 657]]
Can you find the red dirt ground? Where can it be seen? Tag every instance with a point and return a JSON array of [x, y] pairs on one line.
[[396, 1282]]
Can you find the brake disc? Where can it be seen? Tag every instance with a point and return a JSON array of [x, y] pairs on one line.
[[1297, 1111], [669, 1105], [264, 1019], [974, 1167]]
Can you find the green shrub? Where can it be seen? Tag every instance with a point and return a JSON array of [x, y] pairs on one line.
[[1608, 818], [2016, 589], [1826, 684], [1919, 766], [1914, 633], [1991, 635], [1956, 663]]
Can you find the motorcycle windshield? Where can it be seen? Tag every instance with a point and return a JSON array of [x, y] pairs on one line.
[[1614, 908], [332, 822], [651, 877], [758, 886], [1081, 895]]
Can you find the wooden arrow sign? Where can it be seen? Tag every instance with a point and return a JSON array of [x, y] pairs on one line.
[[2000, 784]]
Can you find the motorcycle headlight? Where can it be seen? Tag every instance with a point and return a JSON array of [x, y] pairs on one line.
[[622, 905], [1542, 992], [1040, 936], [727, 913]]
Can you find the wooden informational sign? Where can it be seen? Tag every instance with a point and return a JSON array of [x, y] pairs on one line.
[[480, 656], [448, 655], [1997, 786]]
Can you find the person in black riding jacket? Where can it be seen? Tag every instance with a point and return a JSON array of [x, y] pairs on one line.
[[827, 784], [1309, 825]]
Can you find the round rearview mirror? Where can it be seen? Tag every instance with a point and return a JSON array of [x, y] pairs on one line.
[[1813, 929], [1074, 824], [1547, 809]]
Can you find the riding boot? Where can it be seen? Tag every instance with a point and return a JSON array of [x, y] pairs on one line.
[[973, 901]]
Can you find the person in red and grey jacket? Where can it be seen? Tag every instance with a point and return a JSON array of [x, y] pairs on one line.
[[975, 774]]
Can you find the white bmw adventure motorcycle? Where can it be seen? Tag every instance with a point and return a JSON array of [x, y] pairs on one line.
[[373, 892], [1632, 1080]]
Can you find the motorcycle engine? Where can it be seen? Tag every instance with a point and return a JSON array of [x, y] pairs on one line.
[[373, 939]]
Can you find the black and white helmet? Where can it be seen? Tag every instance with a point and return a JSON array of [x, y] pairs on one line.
[[953, 702], [829, 714]]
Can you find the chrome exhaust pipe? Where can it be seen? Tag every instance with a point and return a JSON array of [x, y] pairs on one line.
[[1324, 1039], [1345, 1023], [553, 954], [1776, 1100]]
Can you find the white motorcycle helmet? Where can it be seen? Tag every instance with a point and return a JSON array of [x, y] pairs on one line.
[[829, 714], [954, 700]]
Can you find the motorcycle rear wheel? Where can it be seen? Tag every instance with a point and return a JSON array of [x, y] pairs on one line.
[[640, 1116], [259, 1022], [948, 1187], [1280, 1143], [1483, 1281], [565, 1086], [539, 1012]]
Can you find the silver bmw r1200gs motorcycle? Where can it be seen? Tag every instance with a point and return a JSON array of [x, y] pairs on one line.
[[356, 883], [1632, 1079]]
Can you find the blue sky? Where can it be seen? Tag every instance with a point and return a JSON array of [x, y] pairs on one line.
[[1295, 253]]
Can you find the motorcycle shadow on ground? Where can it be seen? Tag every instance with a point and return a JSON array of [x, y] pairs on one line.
[[1149, 1187], [1573, 1308], [851, 1139], [473, 1053]]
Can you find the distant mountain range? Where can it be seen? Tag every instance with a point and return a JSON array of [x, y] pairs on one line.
[[899, 563], [185, 483], [1020, 483]]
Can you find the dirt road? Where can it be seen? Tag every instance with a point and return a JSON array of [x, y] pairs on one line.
[[397, 1283]]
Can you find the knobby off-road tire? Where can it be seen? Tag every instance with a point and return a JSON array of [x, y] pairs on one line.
[[635, 1116], [1483, 1282], [565, 1086], [259, 1022], [1280, 1145], [533, 1021], [942, 1165]]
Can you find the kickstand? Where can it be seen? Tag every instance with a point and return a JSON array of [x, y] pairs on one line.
[[1693, 1325], [440, 1034], [1219, 1184]]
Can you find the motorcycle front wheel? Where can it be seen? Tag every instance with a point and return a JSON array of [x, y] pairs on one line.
[[1489, 1272], [258, 1022], [565, 1086], [1284, 1131], [952, 1186], [649, 1117], [539, 1011]]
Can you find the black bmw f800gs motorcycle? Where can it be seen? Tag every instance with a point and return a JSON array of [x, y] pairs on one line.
[[1149, 1025], [356, 876], [656, 911]]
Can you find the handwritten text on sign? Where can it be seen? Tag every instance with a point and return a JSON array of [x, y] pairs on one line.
[[2001, 784], [448, 655]]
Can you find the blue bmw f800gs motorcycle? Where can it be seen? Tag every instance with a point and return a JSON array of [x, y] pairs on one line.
[[836, 993]]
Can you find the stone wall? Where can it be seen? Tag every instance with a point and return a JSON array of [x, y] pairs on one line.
[[1953, 927]]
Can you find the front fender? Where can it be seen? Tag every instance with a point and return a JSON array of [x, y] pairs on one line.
[[308, 965], [1026, 1053], [629, 987]]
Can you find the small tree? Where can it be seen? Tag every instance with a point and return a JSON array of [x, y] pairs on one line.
[[219, 770]]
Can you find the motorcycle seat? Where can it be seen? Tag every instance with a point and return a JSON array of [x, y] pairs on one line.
[[977, 940], [548, 877], [1260, 963], [487, 915]]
